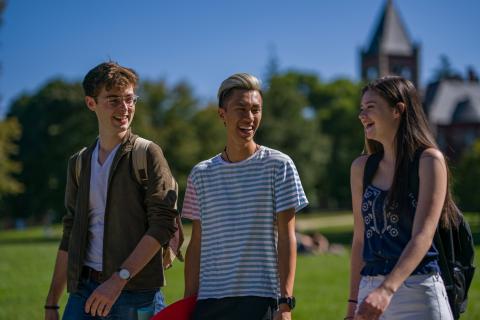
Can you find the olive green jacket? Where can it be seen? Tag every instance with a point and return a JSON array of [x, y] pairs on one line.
[[130, 213]]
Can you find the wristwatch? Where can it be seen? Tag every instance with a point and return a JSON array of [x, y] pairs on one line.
[[124, 274], [289, 301]]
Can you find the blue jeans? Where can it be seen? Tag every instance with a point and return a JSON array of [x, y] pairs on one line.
[[125, 308]]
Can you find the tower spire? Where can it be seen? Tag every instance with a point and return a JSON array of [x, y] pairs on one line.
[[390, 50]]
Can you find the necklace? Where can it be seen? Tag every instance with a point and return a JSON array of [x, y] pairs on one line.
[[228, 158]]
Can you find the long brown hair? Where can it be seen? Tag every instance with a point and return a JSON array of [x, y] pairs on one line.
[[413, 133]]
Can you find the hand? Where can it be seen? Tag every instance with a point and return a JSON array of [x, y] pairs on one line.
[[102, 299], [374, 305], [51, 314], [283, 313]]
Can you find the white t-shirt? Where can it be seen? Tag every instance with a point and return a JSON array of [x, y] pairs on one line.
[[97, 201]]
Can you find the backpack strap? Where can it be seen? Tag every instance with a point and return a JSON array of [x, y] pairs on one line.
[[371, 167], [414, 186], [414, 174], [443, 259], [139, 161], [78, 165]]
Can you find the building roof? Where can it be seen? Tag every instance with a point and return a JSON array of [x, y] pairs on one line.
[[390, 36], [454, 101]]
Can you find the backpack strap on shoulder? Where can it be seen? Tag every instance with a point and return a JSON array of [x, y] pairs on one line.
[[443, 258], [414, 186], [371, 167], [139, 161], [78, 165], [414, 174]]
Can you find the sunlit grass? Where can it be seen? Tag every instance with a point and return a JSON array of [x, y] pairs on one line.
[[321, 286]]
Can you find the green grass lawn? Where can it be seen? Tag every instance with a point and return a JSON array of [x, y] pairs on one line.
[[321, 286]]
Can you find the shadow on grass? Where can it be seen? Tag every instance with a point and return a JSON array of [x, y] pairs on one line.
[[29, 240]]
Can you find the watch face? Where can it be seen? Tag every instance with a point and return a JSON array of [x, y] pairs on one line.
[[124, 274]]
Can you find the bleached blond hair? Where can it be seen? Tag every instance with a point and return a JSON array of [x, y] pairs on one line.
[[242, 81]]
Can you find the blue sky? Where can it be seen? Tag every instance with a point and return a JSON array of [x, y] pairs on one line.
[[205, 41]]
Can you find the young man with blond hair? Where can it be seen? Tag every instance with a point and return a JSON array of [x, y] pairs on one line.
[[242, 254], [114, 227]]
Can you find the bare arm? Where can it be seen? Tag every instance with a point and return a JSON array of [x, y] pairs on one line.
[[103, 298], [59, 277], [287, 257], [59, 280], [356, 259], [432, 191], [192, 260]]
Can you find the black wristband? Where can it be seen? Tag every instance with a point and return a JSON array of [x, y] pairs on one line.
[[52, 307], [353, 301]]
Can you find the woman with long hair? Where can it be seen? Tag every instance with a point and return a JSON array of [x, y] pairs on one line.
[[395, 270]]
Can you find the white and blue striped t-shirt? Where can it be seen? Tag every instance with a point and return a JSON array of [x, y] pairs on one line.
[[237, 204]]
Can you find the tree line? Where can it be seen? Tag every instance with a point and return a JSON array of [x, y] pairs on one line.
[[313, 121]]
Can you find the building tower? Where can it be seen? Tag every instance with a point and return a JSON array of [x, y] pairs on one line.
[[390, 50]]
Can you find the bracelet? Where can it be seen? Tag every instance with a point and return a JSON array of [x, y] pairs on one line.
[[52, 307], [353, 301]]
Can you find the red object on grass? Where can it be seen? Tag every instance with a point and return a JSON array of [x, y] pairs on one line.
[[179, 310]]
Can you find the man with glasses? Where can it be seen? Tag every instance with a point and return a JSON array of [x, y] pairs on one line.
[[109, 255]]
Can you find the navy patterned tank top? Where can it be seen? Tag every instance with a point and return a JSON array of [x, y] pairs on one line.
[[387, 232]]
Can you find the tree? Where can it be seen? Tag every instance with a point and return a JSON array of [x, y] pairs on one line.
[[337, 104], [313, 122], [2, 7], [466, 178], [287, 128], [9, 133], [178, 136], [210, 132], [317, 124], [168, 116], [55, 124]]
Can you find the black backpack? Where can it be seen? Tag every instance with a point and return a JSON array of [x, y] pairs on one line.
[[455, 244], [456, 249]]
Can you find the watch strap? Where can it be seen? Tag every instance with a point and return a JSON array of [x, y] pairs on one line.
[[289, 301]]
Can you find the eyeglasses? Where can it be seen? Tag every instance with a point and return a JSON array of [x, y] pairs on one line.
[[115, 101]]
